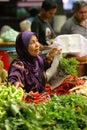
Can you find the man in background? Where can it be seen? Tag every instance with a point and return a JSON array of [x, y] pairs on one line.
[[41, 25], [77, 24]]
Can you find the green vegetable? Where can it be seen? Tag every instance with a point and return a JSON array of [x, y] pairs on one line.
[[68, 112], [69, 65], [7, 93]]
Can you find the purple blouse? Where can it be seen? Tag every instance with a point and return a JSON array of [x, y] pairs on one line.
[[32, 80]]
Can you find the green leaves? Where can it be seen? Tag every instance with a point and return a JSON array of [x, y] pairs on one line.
[[67, 112], [69, 65], [8, 93]]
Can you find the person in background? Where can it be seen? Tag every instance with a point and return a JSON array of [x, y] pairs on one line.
[[28, 70], [77, 24], [41, 24], [33, 12], [25, 25]]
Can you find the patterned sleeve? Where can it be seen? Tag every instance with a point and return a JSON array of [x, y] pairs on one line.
[[16, 72]]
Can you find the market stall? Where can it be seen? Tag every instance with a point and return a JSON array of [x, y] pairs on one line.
[[39, 111], [63, 106]]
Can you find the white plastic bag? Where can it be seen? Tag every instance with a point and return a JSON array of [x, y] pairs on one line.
[[55, 75], [74, 44]]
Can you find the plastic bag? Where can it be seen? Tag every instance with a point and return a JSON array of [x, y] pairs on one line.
[[74, 44], [55, 74], [9, 36]]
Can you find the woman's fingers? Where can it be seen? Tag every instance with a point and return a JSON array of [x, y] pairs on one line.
[[19, 84], [54, 51]]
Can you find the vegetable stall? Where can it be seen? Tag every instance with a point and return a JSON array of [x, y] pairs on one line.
[[61, 108], [33, 111]]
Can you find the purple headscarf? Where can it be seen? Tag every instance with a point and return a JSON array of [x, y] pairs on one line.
[[26, 36]]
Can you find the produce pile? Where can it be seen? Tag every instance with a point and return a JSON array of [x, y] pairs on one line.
[[69, 65], [70, 82], [65, 112]]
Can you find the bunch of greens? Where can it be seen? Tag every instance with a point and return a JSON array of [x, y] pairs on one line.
[[68, 112], [7, 93], [69, 65]]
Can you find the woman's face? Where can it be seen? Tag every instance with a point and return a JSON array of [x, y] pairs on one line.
[[34, 46]]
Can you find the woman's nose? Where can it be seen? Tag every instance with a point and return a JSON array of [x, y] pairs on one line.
[[37, 44]]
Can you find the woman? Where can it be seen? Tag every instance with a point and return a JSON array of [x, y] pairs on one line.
[[28, 70]]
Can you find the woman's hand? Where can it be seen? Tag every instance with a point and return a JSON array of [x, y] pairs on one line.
[[53, 52], [18, 84]]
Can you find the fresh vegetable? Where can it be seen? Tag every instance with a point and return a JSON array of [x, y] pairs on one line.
[[65, 112], [7, 93], [69, 82], [68, 112], [69, 65], [35, 97]]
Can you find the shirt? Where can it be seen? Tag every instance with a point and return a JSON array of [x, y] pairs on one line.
[[43, 29], [72, 26]]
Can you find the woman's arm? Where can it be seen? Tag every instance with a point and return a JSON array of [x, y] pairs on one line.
[[15, 73]]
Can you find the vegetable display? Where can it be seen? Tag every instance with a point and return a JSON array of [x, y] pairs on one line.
[[70, 82], [69, 65], [7, 93], [65, 112]]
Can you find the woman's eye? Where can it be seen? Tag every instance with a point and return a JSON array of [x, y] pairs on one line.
[[32, 42], [36, 40]]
